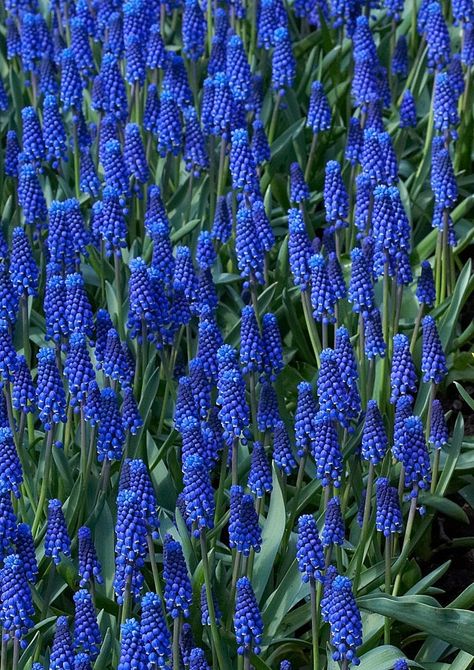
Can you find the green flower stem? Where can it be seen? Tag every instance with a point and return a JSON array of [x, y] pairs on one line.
[[385, 328], [16, 653], [444, 289], [294, 509], [154, 567], [127, 601], [429, 132], [221, 169], [253, 401], [117, 273], [365, 526], [406, 543], [26, 324], [235, 462], [416, 328], [209, 26], [3, 662], [438, 263], [176, 635], [362, 362], [220, 492], [312, 151], [274, 120], [311, 325], [76, 158], [437, 452], [324, 329], [45, 482], [210, 602], [315, 620], [247, 661], [388, 584]]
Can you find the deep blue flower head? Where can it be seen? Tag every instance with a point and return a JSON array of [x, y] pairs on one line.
[[433, 359], [200, 387], [361, 290], [222, 106], [425, 289], [285, 665], [195, 152], [344, 621], [467, 53], [355, 139], [319, 112], [438, 429], [346, 357], [12, 151], [71, 86], [437, 37], [248, 623], [400, 57], [131, 418], [260, 475], [185, 403], [243, 168], [11, 473], [272, 14], [8, 523], [78, 308], [401, 664], [334, 400], [51, 396], [389, 156], [333, 531], [463, 11], [134, 476], [365, 85], [134, 154], [403, 377], [193, 29], [152, 109], [132, 652], [414, 455], [363, 42], [8, 355], [403, 409], [248, 247], [272, 345], [197, 660], [89, 567], [78, 368], [168, 127], [323, 298], [34, 150], [114, 363], [374, 342], [336, 200], [108, 130], [111, 222], [205, 252], [13, 38], [54, 301], [260, 147], [130, 545], [364, 191], [374, 437], [299, 191], [408, 110], [93, 404], [48, 81], [143, 316], [184, 272], [222, 224], [103, 323], [238, 69], [283, 61], [82, 661], [111, 436], [186, 642], [80, 46], [244, 530], [155, 49], [57, 539], [210, 339], [251, 348], [268, 414], [299, 249], [456, 74], [88, 182], [388, 517], [178, 593], [23, 269], [198, 494], [336, 277], [372, 159], [176, 80], [80, 237], [54, 134], [154, 631], [441, 219], [309, 550], [135, 70], [87, 637], [62, 652], [155, 212], [115, 171], [306, 410], [326, 451], [445, 113], [113, 87], [25, 548], [16, 607]]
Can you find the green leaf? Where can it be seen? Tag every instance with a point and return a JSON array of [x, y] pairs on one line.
[[465, 395], [271, 537], [445, 506], [452, 625], [382, 658]]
